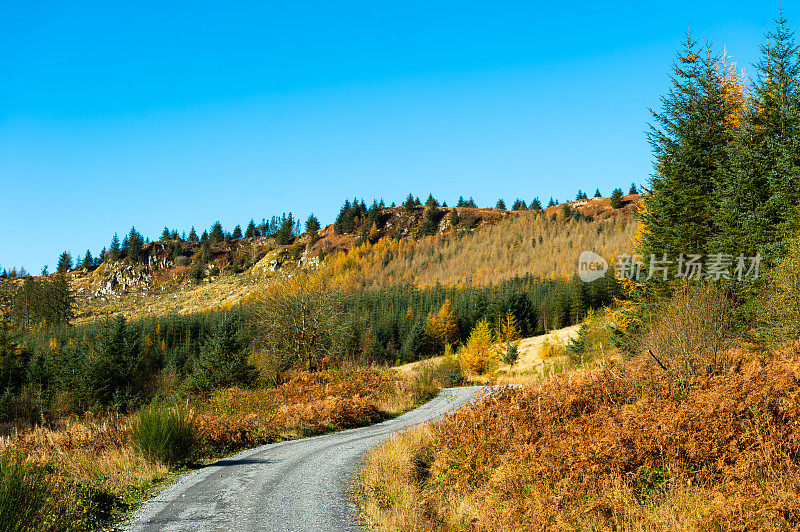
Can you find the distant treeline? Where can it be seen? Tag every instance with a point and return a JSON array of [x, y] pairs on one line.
[[353, 216], [119, 364]]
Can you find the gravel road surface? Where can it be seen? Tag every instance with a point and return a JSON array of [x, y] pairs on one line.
[[294, 485]]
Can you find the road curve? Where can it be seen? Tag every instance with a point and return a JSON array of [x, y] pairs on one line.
[[289, 486]]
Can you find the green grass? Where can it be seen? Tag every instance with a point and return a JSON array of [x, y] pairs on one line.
[[25, 494], [165, 434]]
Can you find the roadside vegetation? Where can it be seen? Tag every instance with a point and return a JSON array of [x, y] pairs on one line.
[[677, 407], [107, 411]]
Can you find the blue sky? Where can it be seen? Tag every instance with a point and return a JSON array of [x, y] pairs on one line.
[[180, 114]]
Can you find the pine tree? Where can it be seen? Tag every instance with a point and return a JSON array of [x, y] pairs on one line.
[[251, 230], [454, 218], [410, 203], [114, 251], [217, 234], [165, 234], [346, 220], [760, 194], [536, 205], [552, 202], [88, 261], [132, 246], [430, 221], [193, 236], [222, 361], [616, 198], [285, 234], [501, 205], [204, 236], [64, 262], [431, 201], [689, 140], [508, 334], [633, 189], [519, 205], [597, 193], [312, 227], [415, 344], [237, 232]]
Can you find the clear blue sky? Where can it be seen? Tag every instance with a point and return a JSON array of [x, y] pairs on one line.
[[166, 113]]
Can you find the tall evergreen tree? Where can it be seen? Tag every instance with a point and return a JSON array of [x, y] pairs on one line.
[[454, 218], [633, 189], [251, 230], [165, 234], [237, 232], [597, 193], [217, 234], [132, 246], [410, 203], [758, 200], [501, 205], [285, 234], [536, 205], [312, 227], [345, 222], [193, 236], [88, 260], [431, 201], [430, 221], [114, 250], [616, 198], [689, 140], [64, 262]]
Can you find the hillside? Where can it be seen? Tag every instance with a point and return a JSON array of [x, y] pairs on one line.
[[488, 245]]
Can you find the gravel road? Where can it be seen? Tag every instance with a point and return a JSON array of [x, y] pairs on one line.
[[294, 485]]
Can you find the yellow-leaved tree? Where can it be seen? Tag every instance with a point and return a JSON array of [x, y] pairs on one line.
[[442, 327], [478, 355]]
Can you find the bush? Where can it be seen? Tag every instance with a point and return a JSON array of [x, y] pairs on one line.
[[168, 435], [25, 493], [779, 309], [552, 346], [447, 372], [511, 354], [693, 332]]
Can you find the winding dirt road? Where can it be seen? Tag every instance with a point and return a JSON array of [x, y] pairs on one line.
[[290, 486]]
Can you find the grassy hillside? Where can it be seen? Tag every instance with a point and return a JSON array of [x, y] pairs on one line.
[[488, 245]]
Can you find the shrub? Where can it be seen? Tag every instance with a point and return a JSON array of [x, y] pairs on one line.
[[25, 492], [779, 311], [693, 332], [168, 435], [511, 354], [552, 346]]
